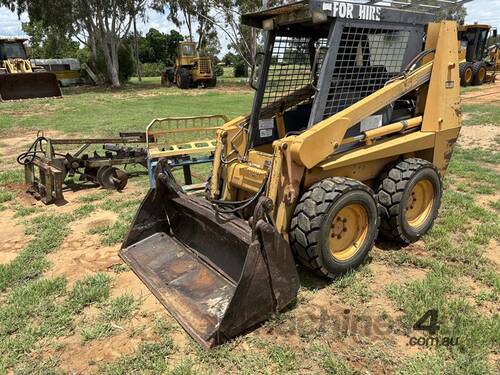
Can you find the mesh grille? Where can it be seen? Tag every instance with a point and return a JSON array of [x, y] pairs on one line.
[[204, 67], [367, 58], [290, 68]]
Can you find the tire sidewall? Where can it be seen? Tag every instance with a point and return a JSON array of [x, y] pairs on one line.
[[429, 173], [183, 79], [481, 69], [464, 67], [364, 199], [469, 82]]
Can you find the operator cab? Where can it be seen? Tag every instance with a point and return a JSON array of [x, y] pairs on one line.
[[12, 49], [338, 54], [187, 49], [473, 39]]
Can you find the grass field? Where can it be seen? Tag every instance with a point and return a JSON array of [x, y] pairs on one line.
[[69, 305]]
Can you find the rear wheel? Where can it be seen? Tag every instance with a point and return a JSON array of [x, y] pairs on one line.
[[212, 83], [409, 195], [167, 77], [479, 73], [183, 79], [466, 74], [334, 226]]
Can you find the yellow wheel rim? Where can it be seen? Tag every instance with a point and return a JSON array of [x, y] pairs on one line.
[[482, 74], [468, 75], [348, 231], [420, 202]]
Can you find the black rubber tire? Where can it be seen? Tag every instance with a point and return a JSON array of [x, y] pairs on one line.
[[477, 68], [212, 83], [311, 223], [167, 77], [393, 189], [184, 79], [464, 67]]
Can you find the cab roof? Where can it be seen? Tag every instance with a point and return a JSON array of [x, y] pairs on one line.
[[13, 39], [310, 12]]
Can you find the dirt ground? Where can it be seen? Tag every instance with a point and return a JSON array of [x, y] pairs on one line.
[[82, 253], [488, 93]]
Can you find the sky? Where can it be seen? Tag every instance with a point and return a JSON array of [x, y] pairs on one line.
[[481, 11]]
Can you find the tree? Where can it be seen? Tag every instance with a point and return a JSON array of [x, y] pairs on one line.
[[453, 12], [191, 13], [229, 59], [157, 47], [225, 16], [49, 43], [99, 24]]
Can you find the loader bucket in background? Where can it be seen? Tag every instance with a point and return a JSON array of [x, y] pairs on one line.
[[28, 86], [215, 275]]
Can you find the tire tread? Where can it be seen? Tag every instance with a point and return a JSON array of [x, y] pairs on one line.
[[399, 176], [308, 218]]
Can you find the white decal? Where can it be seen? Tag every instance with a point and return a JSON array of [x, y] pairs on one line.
[[367, 12], [266, 127], [353, 11], [266, 124], [370, 123], [343, 10], [266, 133]]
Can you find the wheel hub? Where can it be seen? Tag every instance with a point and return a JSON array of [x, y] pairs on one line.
[[348, 231], [468, 75], [419, 204], [482, 74]]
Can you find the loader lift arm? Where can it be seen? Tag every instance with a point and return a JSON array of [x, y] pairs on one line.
[[327, 136]]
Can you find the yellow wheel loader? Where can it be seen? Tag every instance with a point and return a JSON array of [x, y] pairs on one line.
[[352, 128], [190, 70], [19, 78], [477, 62]]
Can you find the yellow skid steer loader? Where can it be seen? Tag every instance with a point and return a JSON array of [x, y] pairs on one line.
[[352, 129], [19, 78]]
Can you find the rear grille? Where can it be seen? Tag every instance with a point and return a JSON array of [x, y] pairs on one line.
[[367, 58], [205, 67]]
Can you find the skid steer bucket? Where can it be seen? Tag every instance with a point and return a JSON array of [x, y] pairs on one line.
[[29, 86], [217, 276]]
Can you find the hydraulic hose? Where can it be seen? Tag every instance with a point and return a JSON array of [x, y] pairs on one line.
[[241, 205], [35, 149]]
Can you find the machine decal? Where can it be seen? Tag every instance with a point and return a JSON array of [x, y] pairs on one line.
[[372, 122], [352, 11], [266, 127]]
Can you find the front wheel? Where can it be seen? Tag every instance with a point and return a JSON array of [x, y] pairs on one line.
[[334, 226], [183, 79], [466, 74], [479, 72], [409, 195]]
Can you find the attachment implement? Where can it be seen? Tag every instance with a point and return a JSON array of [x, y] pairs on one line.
[[47, 168], [214, 273]]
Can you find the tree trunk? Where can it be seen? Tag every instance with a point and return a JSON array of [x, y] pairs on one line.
[[114, 74], [110, 51], [136, 44], [93, 52]]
